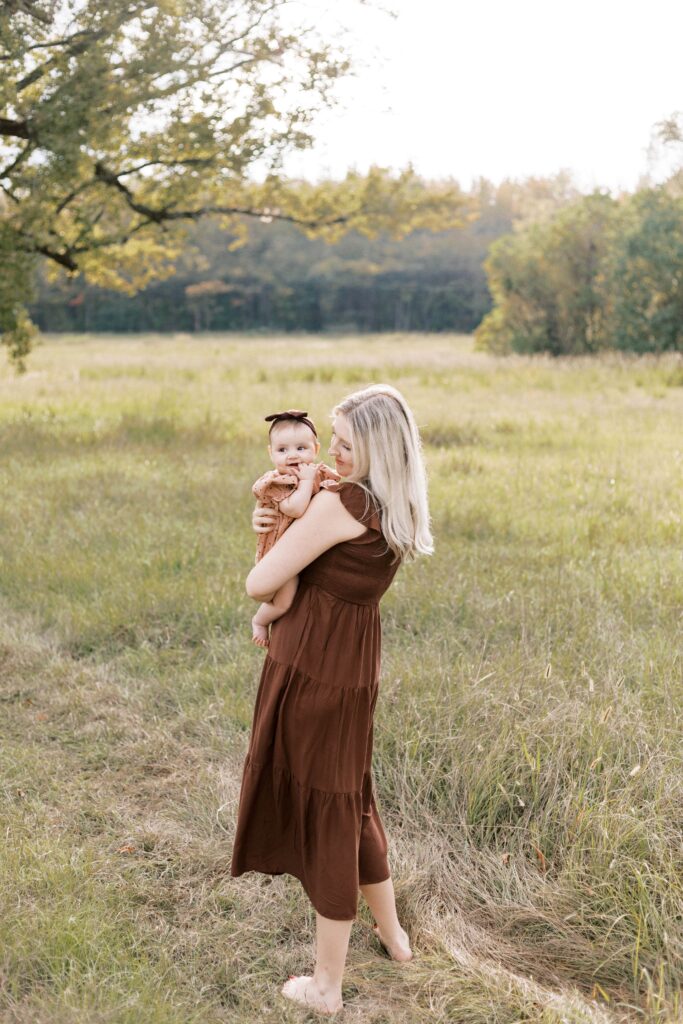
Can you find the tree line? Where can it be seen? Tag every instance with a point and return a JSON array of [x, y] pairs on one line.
[[278, 278], [537, 267]]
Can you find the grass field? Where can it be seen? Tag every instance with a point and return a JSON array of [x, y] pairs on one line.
[[528, 735]]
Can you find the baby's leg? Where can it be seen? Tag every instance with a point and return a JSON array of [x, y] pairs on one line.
[[269, 611]]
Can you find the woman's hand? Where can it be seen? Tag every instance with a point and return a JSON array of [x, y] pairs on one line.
[[263, 519]]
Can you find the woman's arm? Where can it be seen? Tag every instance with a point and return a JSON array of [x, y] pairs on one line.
[[324, 524]]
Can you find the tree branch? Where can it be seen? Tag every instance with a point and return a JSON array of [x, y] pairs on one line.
[[14, 129], [69, 198], [71, 51], [255, 24], [87, 38], [8, 192], [27, 7], [165, 213], [46, 46], [64, 259], [190, 161], [67, 257], [18, 160]]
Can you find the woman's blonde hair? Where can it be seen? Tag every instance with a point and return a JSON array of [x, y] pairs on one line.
[[388, 462]]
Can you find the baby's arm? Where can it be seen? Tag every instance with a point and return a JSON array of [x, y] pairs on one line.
[[299, 500]]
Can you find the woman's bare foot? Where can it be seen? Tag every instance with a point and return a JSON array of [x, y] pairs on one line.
[[303, 989], [398, 947], [259, 634]]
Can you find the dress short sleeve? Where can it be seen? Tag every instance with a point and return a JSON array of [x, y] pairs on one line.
[[273, 487], [359, 503]]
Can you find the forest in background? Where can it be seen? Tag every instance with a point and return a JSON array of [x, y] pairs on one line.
[[283, 280], [535, 267]]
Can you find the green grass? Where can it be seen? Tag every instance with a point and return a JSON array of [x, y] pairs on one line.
[[528, 754]]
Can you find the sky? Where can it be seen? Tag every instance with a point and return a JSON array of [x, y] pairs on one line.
[[502, 89]]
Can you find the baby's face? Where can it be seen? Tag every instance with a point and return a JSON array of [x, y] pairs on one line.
[[291, 444]]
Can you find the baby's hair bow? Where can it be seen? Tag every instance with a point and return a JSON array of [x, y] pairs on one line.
[[291, 414]]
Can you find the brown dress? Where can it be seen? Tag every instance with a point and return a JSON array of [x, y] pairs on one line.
[[307, 805]]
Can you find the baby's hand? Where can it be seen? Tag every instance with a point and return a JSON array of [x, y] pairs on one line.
[[307, 471]]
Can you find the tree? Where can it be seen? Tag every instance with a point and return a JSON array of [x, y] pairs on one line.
[[602, 273], [668, 142], [121, 123], [547, 282], [645, 274], [200, 296]]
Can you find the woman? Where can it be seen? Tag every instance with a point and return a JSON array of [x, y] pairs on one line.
[[307, 805]]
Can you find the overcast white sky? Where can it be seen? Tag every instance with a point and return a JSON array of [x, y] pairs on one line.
[[503, 88]]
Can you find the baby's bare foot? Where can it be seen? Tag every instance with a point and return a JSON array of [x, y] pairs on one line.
[[259, 634], [398, 947], [303, 989]]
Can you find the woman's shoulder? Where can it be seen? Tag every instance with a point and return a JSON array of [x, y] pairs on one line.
[[358, 500]]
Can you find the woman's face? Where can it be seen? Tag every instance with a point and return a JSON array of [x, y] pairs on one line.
[[340, 446]]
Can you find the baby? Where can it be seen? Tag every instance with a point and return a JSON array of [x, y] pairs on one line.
[[287, 489]]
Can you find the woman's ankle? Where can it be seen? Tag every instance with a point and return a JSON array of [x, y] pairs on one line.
[[326, 985], [391, 930]]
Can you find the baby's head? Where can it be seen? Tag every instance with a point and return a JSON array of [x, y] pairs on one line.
[[293, 439]]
